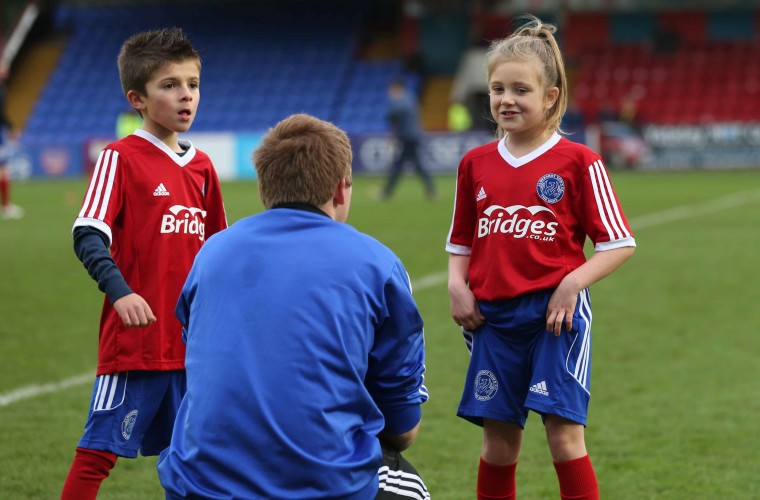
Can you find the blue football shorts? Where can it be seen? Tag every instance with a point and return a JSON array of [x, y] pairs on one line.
[[133, 411], [517, 366]]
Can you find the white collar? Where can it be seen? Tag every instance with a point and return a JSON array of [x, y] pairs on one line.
[[519, 162], [179, 160]]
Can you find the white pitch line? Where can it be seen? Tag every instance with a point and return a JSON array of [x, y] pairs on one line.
[[435, 279], [430, 281], [688, 211], [31, 391]]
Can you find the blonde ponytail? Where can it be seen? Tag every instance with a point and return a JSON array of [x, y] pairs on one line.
[[535, 39]]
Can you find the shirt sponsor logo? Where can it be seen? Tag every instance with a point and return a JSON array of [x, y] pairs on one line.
[[551, 188], [184, 220], [508, 220]]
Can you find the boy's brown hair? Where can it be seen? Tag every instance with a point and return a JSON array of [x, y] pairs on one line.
[[302, 160], [142, 54]]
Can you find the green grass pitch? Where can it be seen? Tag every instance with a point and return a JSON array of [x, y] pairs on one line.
[[676, 378]]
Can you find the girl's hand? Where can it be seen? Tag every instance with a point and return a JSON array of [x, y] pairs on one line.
[[562, 302], [561, 308], [464, 308]]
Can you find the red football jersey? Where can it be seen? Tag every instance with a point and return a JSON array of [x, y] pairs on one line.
[[523, 221], [157, 208]]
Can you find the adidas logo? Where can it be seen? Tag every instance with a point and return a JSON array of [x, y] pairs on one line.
[[540, 388], [161, 190], [481, 194]]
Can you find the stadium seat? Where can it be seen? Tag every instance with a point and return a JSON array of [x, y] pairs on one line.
[[259, 66], [680, 87]]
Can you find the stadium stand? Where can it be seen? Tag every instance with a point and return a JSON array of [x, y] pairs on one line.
[[662, 67], [677, 67], [260, 64], [266, 60]]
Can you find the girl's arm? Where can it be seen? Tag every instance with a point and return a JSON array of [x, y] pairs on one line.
[[464, 305], [562, 302]]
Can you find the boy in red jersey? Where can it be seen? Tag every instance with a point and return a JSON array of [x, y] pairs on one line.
[[518, 276], [153, 200]]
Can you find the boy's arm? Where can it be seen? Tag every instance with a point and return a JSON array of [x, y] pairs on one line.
[[91, 248], [562, 302], [399, 442], [395, 377]]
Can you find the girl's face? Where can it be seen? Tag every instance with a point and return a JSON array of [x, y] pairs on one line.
[[519, 101]]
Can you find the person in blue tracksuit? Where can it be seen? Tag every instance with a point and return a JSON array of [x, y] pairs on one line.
[[403, 120], [305, 352]]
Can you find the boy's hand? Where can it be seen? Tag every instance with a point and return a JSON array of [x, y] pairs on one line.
[[134, 311]]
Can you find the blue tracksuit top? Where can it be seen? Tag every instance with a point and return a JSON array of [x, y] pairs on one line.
[[403, 117], [303, 343]]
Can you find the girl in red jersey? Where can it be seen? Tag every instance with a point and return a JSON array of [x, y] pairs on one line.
[[518, 276]]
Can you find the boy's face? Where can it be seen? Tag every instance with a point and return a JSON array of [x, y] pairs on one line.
[[173, 93]]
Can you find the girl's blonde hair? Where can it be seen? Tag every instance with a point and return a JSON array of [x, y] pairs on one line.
[[534, 39]]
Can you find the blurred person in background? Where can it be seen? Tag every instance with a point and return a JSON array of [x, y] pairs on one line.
[[7, 135], [403, 118], [459, 119], [127, 122]]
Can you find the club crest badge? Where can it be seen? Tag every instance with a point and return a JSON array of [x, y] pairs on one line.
[[128, 424], [551, 188], [486, 385]]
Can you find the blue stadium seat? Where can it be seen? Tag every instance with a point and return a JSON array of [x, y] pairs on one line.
[[259, 66]]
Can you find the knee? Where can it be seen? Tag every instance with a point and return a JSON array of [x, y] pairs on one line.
[[566, 440], [501, 442]]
